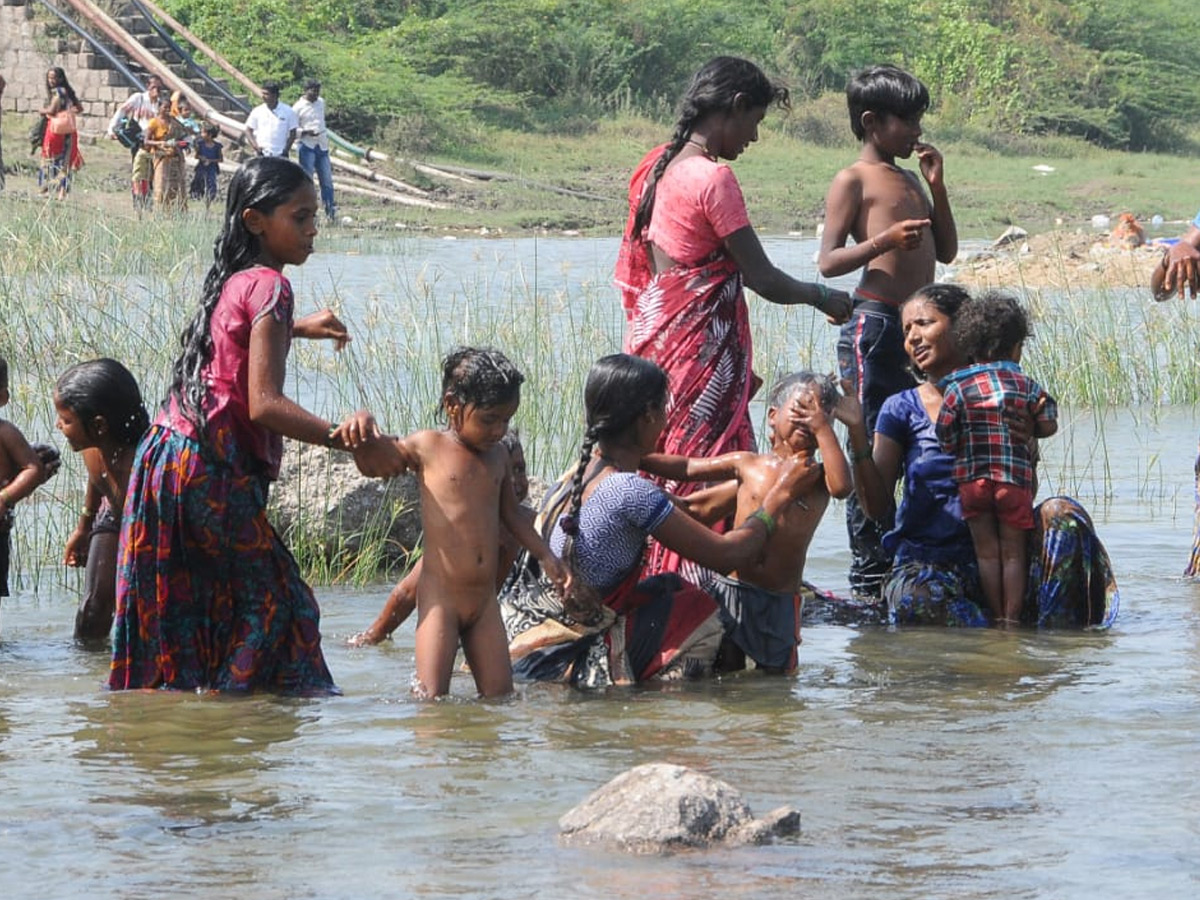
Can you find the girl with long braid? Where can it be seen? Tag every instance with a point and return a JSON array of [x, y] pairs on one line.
[[208, 597], [637, 628], [688, 251]]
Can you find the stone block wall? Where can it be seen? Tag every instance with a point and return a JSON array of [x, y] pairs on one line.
[[27, 50]]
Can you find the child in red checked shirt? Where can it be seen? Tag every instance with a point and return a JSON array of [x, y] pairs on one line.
[[994, 471]]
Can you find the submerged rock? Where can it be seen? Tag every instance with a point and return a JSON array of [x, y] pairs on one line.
[[660, 807]]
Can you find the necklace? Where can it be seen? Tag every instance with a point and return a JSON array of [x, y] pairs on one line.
[[703, 148]]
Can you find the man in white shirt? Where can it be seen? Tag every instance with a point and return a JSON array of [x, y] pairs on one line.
[[314, 142], [138, 109], [271, 126]]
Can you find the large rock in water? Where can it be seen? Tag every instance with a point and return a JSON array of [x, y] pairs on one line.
[[323, 503], [661, 807]]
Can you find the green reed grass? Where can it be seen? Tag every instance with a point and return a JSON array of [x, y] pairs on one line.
[[76, 283]]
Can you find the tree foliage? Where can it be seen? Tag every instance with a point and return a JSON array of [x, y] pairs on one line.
[[1103, 70]]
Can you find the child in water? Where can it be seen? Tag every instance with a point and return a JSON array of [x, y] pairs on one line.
[[100, 413], [21, 471], [208, 597], [995, 474], [760, 603], [466, 496], [403, 597]]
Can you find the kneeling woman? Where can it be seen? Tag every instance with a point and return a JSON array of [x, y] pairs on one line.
[[628, 628], [934, 578]]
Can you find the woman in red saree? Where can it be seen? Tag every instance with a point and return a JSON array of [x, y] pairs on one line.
[[60, 140], [688, 251]]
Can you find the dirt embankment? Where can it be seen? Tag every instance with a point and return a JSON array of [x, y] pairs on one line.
[[1059, 260]]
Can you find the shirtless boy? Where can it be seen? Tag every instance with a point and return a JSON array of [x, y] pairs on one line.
[[466, 495], [760, 601], [21, 472], [899, 232]]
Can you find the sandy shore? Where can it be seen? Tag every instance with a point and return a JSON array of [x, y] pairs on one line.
[[1060, 260]]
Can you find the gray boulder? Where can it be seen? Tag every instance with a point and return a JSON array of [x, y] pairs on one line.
[[659, 807], [322, 503]]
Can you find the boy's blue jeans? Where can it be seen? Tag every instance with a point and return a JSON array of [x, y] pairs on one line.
[[315, 159], [871, 355]]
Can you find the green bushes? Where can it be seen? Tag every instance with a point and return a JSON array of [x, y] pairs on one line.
[[1110, 73]]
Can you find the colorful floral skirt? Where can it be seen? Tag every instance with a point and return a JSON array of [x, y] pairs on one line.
[[208, 598], [658, 629], [1071, 583]]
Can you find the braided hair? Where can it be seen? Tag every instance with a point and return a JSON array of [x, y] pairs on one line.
[[104, 387], [620, 388], [261, 184], [713, 89]]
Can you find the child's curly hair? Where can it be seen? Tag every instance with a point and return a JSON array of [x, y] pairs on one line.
[[480, 376], [990, 327]]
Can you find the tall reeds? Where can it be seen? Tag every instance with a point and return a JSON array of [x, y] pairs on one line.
[[77, 282]]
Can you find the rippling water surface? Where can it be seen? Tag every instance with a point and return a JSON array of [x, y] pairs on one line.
[[926, 763]]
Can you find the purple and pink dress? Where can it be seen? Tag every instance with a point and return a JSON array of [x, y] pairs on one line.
[[208, 597]]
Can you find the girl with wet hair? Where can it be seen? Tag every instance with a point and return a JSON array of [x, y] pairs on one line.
[[101, 414], [208, 597]]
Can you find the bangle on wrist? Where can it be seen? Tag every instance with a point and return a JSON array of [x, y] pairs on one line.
[[860, 455], [331, 437], [5, 497], [875, 246], [87, 513], [823, 292], [766, 518]]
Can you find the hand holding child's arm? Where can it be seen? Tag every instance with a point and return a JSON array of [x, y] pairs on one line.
[[321, 325], [357, 428], [384, 457]]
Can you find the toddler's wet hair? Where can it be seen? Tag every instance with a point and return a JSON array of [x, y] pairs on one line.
[[824, 385], [990, 327], [480, 376]]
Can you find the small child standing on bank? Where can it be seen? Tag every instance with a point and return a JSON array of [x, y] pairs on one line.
[[899, 233], [20, 474], [760, 602], [995, 474], [101, 414], [209, 156], [466, 495]]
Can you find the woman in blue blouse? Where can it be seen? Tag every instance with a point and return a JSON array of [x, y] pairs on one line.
[[934, 579]]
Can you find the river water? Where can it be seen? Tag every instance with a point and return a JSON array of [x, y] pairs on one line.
[[926, 763]]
